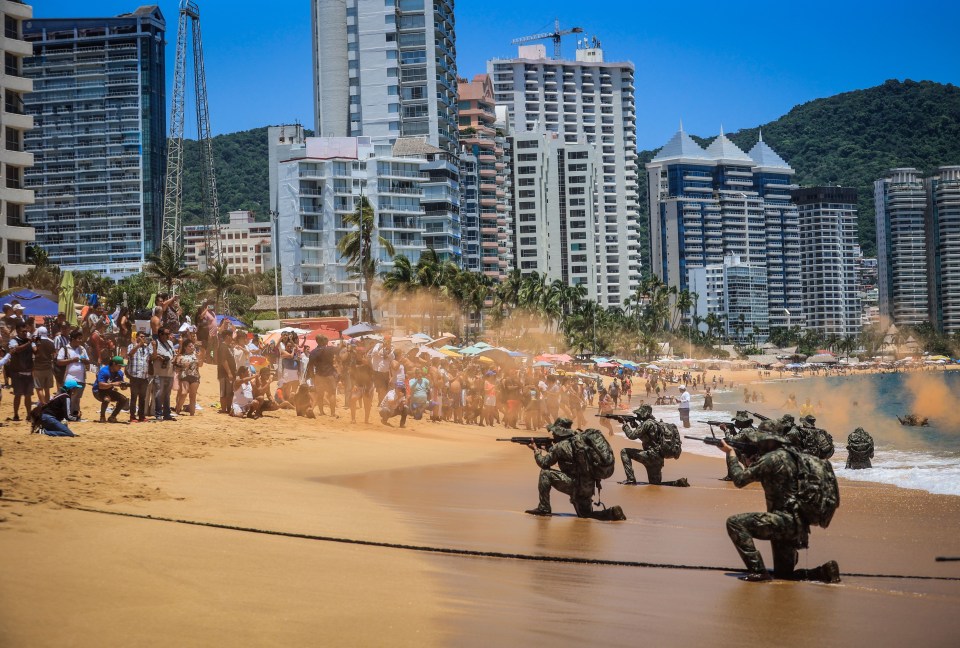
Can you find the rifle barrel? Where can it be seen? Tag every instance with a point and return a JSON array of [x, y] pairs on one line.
[[948, 558]]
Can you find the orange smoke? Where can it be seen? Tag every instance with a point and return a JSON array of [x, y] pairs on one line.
[[934, 399]]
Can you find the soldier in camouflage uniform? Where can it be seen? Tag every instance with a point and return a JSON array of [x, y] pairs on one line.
[[859, 449], [648, 432], [744, 433], [567, 479], [807, 437], [777, 471]]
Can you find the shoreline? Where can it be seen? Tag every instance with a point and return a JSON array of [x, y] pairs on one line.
[[429, 484]]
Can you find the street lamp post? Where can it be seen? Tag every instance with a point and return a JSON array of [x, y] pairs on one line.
[[275, 216]]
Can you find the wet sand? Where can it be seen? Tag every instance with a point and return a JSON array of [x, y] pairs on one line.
[[86, 579]]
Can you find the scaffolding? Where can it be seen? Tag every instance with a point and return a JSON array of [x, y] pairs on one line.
[[173, 190]]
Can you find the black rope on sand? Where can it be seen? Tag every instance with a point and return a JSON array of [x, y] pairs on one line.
[[473, 553]]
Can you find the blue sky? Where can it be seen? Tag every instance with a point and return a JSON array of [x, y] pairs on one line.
[[738, 64]]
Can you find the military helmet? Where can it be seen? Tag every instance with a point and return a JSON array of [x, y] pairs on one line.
[[644, 411], [743, 417], [787, 419], [769, 435], [561, 428], [809, 418], [564, 423]]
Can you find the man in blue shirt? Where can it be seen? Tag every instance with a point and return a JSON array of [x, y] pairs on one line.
[[106, 389], [419, 395]]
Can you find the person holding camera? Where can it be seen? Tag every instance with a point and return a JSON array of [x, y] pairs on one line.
[[163, 370], [106, 389]]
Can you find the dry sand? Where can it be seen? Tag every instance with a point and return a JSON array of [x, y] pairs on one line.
[[87, 579]]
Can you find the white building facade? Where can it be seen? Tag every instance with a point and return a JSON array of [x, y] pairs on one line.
[[736, 292], [829, 259], [322, 181], [245, 244], [16, 235], [583, 102]]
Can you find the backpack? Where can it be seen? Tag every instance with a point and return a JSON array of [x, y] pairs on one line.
[[818, 494], [860, 443], [670, 444], [594, 454]]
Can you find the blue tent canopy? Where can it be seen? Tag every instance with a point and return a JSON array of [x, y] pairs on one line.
[[35, 305], [230, 318]]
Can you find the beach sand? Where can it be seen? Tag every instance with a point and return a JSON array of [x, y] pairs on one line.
[[81, 578]]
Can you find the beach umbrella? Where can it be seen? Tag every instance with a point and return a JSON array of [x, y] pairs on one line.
[[430, 352], [230, 318], [542, 363], [653, 367], [34, 305], [289, 329], [65, 302], [498, 355], [602, 365], [361, 329]]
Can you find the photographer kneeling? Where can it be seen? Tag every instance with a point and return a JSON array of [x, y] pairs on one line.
[[106, 389]]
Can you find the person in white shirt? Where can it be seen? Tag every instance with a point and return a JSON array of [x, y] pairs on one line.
[[394, 404], [381, 360], [684, 406]]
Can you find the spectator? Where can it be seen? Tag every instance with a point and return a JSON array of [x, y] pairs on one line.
[[49, 418], [394, 404], [21, 369], [226, 371], [163, 372], [245, 404], [62, 341], [207, 328], [74, 359], [106, 389], [322, 371], [44, 351], [419, 394], [188, 362], [138, 373], [289, 366], [381, 360]]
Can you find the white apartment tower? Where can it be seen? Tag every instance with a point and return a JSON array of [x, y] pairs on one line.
[[385, 69], [584, 102], [15, 234], [828, 259]]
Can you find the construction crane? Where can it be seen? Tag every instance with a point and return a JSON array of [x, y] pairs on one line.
[[173, 186], [555, 36]]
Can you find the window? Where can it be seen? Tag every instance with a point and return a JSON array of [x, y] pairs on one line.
[[578, 155], [527, 144], [526, 193], [527, 205], [527, 157]]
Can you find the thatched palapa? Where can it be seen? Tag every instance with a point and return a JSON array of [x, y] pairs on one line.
[[332, 301]]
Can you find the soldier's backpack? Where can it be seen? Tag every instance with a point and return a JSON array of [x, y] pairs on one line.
[[594, 454], [818, 493], [824, 444], [670, 444], [860, 442]]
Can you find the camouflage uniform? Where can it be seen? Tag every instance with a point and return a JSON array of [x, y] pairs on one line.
[[810, 439], [745, 433], [859, 449], [565, 479], [648, 432], [777, 472], [569, 480]]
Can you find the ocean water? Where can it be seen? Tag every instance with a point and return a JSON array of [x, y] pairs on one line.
[[924, 458]]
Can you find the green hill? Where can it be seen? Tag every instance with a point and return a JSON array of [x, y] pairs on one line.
[[243, 176], [852, 139]]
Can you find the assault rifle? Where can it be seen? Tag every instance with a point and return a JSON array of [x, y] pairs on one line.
[[760, 416], [739, 446], [948, 558], [720, 424], [540, 442], [621, 418]]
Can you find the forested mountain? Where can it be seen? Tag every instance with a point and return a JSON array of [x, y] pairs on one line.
[[852, 139], [243, 176]]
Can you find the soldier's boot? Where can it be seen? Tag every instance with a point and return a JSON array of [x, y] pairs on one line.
[[828, 572], [539, 511], [757, 577], [682, 483], [612, 514], [627, 468]]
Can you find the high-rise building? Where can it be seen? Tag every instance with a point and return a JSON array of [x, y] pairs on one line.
[[321, 181], [582, 102], [555, 209], [943, 250], [708, 203], [385, 69], [15, 233], [99, 105], [736, 292], [245, 244], [918, 238], [484, 204], [829, 259], [901, 204]]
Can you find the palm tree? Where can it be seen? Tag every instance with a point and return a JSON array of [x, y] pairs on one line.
[[401, 278], [357, 248], [220, 281], [507, 294], [166, 266]]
